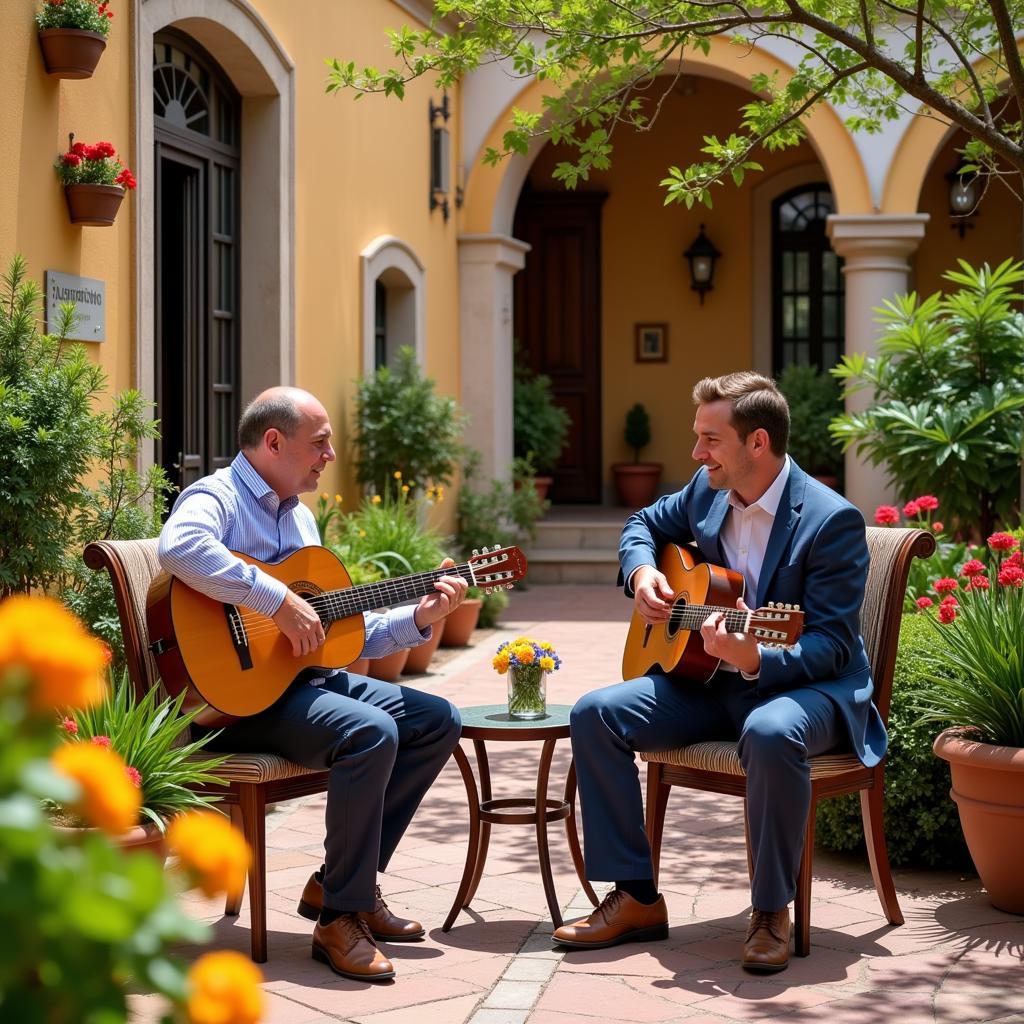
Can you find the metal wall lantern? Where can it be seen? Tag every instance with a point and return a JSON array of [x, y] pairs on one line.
[[702, 255], [963, 200], [440, 157]]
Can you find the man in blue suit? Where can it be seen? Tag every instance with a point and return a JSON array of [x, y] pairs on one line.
[[751, 508]]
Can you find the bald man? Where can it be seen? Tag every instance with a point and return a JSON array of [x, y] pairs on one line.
[[382, 744]]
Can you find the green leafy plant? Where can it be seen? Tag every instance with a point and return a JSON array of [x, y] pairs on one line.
[[97, 164], [402, 425], [638, 429], [814, 399], [328, 515], [976, 658], [921, 823], [150, 736], [495, 601], [948, 389], [86, 15], [540, 426]]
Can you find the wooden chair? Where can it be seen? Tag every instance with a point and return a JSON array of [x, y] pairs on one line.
[[715, 766], [253, 780]]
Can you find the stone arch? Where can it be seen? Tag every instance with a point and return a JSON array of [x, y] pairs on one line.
[[492, 192], [241, 42], [402, 273]]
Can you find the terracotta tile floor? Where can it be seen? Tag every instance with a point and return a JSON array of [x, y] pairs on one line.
[[956, 960]]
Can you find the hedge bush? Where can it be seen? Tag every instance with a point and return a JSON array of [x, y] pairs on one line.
[[922, 828]]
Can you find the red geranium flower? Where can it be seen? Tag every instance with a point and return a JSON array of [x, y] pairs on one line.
[[927, 502], [924, 602], [70, 725], [1011, 576], [972, 568], [911, 509], [133, 774], [101, 741], [947, 613], [938, 527], [1017, 558], [949, 599], [70, 159], [886, 515], [945, 584], [1002, 542], [126, 178], [978, 583], [102, 150]]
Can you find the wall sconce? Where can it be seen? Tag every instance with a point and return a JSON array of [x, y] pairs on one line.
[[963, 200], [702, 255], [440, 157]]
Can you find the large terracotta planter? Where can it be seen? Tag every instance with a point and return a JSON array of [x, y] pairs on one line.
[[71, 52], [388, 668], [93, 204], [636, 482], [419, 657], [145, 838], [988, 788], [358, 667], [459, 624]]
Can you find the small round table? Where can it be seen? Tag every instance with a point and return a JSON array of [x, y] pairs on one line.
[[493, 722]]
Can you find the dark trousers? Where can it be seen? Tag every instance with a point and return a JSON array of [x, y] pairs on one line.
[[383, 746], [776, 736]]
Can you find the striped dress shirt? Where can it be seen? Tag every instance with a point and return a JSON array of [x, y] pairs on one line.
[[235, 509]]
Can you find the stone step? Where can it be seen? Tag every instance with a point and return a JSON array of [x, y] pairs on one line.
[[571, 533], [572, 565]]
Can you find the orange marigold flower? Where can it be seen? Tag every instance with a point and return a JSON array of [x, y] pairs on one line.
[[212, 851], [108, 799], [40, 638], [500, 663], [525, 655], [224, 988]]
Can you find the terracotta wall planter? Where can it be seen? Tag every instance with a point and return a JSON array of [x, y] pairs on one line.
[[93, 204], [636, 482], [388, 668], [146, 838], [459, 625], [419, 657], [71, 52], [988, 787]]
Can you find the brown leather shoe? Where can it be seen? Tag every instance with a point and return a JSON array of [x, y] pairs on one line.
[[619, 918], [767, 946], [384, 926], [347, 947]]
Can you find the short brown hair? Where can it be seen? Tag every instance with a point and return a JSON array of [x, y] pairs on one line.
[[278, 410], [756, 402]]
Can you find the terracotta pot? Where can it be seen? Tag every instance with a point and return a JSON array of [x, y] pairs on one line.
[[419, 657], [988, 788], [359, 666], [145, 838], [388, 668], [93, 204], [542, 485], [459, 624], [636, 482], [71, 52]]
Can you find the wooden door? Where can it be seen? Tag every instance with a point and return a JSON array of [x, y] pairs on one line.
[[558, 324]]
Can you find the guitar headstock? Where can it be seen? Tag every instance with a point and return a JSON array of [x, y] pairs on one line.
[[777, 625], [498, 567]]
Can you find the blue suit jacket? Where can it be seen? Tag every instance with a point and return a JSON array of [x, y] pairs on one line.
[[816, 557]]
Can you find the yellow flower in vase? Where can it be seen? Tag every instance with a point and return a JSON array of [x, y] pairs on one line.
[[526, 664]]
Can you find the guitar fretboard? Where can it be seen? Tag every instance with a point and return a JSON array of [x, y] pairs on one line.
[[693, 616], [340, 604]]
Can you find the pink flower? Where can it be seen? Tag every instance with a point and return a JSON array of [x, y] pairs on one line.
[[938, 527], [947, 613], [911, 509], [949, 601], [1002, 542], [927, 503], [133, 774], [1017, 558], [945, 585], [101, 741], [887, 515], [70, 725], [1011, 576], [972, 568], [924, 602], [978, 583]]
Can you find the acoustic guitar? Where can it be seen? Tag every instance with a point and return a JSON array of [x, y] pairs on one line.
[[237, 662], [700, 589]]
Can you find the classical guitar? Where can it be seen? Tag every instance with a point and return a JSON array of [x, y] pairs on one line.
[[700, 589], [237, 662]]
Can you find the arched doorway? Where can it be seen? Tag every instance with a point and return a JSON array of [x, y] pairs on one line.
[[197, 170]]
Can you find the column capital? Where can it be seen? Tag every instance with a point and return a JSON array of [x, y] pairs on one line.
[[496, 249], [880, 241]]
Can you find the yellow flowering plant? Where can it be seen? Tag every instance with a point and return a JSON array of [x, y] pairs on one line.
[[81, 920], [526, 662]]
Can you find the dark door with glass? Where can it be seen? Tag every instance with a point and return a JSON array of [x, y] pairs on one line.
[[558, 324], [196, 281], [808, 317]]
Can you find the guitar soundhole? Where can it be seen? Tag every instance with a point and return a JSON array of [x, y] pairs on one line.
[[675, 622], [306, 589]]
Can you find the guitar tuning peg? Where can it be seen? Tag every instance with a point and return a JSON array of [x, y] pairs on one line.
[[771, 604], [508, 586], [475, 552]]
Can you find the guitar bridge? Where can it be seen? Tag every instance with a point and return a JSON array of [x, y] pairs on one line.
[[239, 637]]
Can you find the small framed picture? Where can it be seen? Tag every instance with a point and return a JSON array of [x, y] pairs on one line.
[[651, 343]]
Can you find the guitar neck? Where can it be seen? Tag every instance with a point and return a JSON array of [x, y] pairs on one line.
[[340, 604], [693, 616]]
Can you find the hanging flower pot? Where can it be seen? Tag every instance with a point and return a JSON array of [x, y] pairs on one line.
[[71, 52], [93, 204]]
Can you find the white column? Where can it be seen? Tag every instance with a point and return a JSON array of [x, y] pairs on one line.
[[487, 264], [875, 249]]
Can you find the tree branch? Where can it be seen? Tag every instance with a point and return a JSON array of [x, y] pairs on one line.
[[1008, 40]]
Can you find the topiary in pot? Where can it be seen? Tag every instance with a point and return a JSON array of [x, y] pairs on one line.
[[637, 482], [540, 425]]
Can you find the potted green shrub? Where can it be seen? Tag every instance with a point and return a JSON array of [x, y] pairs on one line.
[[976, 688], [95, 181], [636, 482], [73, 35], [540, 425], [814, 399]]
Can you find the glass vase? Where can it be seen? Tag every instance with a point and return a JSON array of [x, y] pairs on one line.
[[527, 686]]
